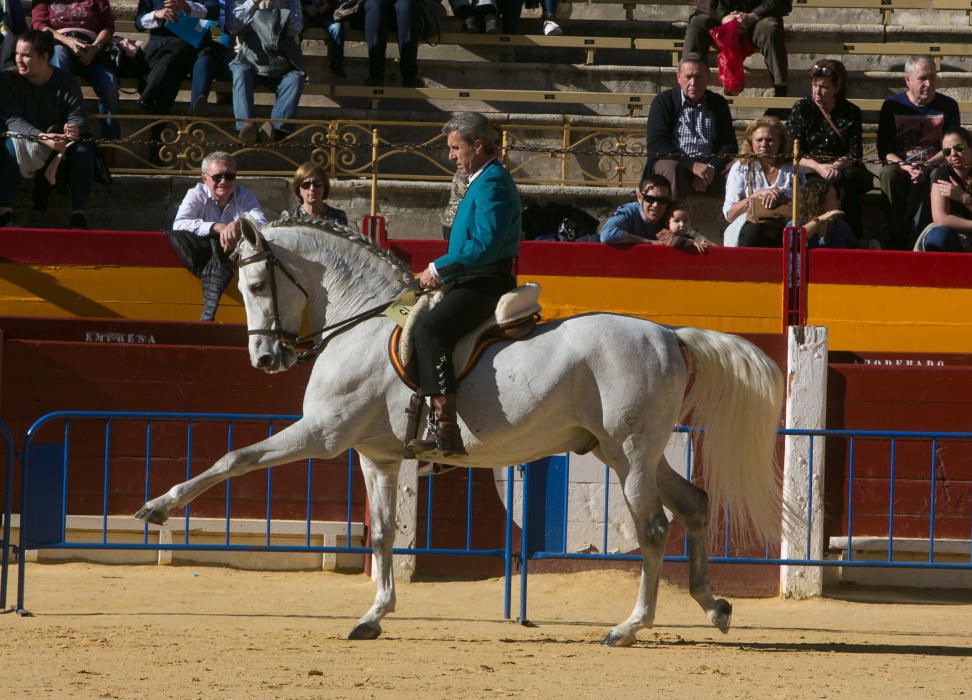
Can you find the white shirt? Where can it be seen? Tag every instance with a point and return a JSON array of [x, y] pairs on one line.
[[736, 183], [150, 21], [199, 210]]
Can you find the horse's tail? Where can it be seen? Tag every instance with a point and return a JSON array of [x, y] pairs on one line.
[[735, 395]]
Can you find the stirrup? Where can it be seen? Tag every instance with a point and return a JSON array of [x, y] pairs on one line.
[[434, 469]]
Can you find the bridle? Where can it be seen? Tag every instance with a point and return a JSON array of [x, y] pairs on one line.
[[301, 344], [276, 330]]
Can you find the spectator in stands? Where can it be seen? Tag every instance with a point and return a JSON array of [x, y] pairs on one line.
[[951, 197], [910, 130], [642, 220], [311, 188], [761, 179], [319, 14], [13, 22], [678, 232], [818, 209], [498, 16], [828, 129], [380, 15], [268, 49], [34, 96], [206, 226], [171, 58], [763, 22], [690, 133], [81, 29]]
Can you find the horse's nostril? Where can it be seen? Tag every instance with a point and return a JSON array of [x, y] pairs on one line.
[[264, 361]]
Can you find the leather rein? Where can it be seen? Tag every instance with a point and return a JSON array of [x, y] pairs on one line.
[[302, 344]]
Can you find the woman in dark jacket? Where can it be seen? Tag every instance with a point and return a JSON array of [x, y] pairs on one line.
[[828, 128]]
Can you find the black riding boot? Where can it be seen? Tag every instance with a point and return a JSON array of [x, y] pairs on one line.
[[443, 435]]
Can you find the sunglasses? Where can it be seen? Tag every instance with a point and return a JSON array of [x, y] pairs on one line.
[[307, 184], [650, 199], [825, 71], [219, 177], [958, 148]]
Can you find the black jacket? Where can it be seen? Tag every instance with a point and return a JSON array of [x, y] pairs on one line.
[[663, 118]]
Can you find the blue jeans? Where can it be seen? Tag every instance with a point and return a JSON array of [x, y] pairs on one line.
[[941, 239], [80, 171], [379, 16], [288, 90], [100, 78], [335, 36], [549, 8]]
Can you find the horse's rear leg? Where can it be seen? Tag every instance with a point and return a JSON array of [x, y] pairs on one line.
[[651, 526], [691, 505], [288, 445], [381, 481]]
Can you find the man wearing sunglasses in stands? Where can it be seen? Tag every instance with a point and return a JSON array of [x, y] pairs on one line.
[[206, 226], [639, 221]]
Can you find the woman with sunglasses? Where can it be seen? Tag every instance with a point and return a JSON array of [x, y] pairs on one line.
[[311, 188], [828, 129], [951, 197], [760, 177]]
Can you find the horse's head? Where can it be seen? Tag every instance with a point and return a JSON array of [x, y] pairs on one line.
[[274, 300]]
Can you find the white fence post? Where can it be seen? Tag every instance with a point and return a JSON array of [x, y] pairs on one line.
[[806, 407]]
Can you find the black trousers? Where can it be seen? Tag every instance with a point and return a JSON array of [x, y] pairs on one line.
[[465, 306], [203, 256]]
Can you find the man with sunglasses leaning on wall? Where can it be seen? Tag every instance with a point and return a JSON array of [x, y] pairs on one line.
[[641, 220], [206, 226]]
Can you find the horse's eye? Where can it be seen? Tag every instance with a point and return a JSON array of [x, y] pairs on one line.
[[258, 287]]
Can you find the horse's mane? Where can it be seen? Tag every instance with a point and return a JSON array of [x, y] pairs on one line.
[[334, 228]]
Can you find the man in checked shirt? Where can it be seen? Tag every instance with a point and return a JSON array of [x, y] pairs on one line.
[[691, 141]]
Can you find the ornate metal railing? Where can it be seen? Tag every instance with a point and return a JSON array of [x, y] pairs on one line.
[[564, 154]]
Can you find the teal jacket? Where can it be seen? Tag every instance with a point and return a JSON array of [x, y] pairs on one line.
[[486, 227]]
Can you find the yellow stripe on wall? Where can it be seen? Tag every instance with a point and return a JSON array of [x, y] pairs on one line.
[[735, 307], [156, 293], [891, 319]]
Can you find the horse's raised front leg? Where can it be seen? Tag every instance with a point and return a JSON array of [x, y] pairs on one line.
[[691, 505], [651, 526], [381, 481], [290, 444]]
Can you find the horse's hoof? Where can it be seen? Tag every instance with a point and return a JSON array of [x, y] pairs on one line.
[[366, 630], [721, 616], [614, 639], [149, 514]]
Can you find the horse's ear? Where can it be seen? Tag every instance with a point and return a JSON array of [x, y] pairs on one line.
[[250, 235]]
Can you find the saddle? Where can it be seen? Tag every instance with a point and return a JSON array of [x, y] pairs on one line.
[[516, 316]]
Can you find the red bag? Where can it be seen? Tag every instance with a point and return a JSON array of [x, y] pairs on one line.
[[733, 44]]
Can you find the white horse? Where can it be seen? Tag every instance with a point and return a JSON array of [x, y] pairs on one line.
[[614, 384]]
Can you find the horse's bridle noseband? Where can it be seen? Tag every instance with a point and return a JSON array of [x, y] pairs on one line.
[[275, 331]]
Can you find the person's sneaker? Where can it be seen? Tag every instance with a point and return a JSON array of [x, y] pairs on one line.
[[248, 134], [551, 28], [491, 25], [78, 220], [7, 219], [471, 24], [412, 81], [374, 81]]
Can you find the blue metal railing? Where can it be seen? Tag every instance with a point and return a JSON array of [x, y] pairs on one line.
[[8, 468], [190, 420], [724, 557]]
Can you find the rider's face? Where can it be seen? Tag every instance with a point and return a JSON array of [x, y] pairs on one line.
[[468, 157]]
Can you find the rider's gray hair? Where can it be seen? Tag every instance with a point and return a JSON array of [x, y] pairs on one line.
[[917, 62], [218, 157], [472, 126]]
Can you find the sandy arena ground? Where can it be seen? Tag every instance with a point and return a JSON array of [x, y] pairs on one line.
[[180, 632]]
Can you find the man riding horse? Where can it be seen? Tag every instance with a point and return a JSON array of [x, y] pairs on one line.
[[476, 270]]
